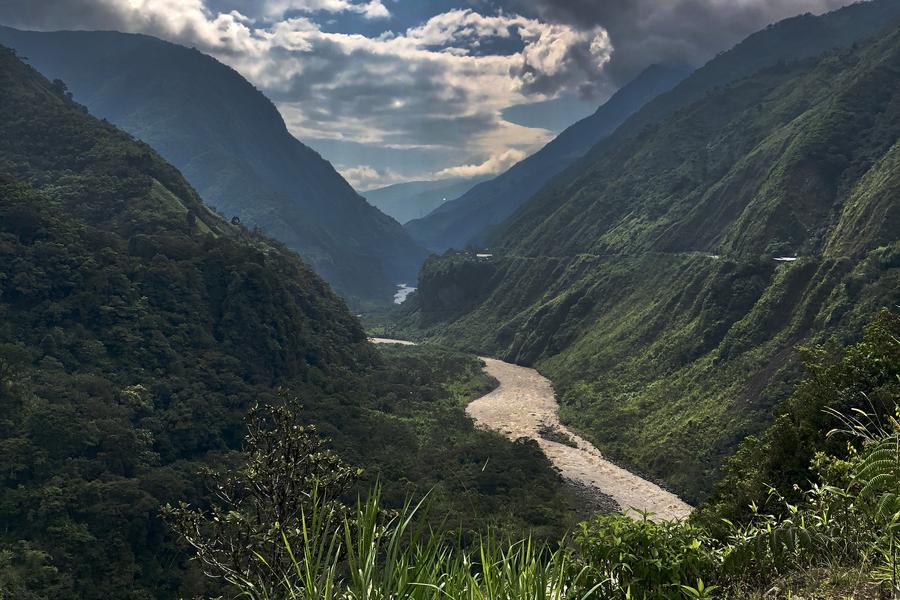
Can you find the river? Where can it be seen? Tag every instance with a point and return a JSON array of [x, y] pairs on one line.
[[524, 405]]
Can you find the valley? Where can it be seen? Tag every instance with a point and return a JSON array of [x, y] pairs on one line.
[[290, 310], [662, 356], [524, 406]]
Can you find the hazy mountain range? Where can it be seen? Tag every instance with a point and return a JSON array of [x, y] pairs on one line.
[[416, 199]]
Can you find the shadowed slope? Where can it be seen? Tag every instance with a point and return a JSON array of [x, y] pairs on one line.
[[232, 145]]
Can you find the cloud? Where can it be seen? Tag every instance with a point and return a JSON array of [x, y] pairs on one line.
[[373, 9], [644, 32], [492, 166], [439, 86], [365, 177], [423, 88]]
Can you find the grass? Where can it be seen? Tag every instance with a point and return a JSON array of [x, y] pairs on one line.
[[374, 556]]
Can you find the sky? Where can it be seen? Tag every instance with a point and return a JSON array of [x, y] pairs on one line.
[[405, 90]]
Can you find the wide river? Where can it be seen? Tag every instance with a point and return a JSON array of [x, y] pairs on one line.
[[524, 405]]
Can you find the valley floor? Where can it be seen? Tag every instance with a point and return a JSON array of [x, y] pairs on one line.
[[524, 406]]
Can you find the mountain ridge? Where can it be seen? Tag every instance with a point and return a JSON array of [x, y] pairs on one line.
[[416, 199], [803, 36], [232, 144], [472, 217]]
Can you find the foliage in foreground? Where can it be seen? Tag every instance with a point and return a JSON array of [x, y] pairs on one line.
[[834, 537], [374, 553]]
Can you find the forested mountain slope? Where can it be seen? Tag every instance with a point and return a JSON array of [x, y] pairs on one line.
[[136, 329], [232, 145], [664, 284], [472, 217], [804, 36]]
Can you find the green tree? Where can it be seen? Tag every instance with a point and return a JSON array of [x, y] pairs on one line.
[[261, 509]]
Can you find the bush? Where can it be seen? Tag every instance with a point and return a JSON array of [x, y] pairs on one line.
[[644, 559]]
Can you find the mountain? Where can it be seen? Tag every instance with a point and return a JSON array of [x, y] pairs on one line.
[[416, 199], [472, 217], [232, 145], [804, 36], [137, 327], [665, 280], [476, 217]]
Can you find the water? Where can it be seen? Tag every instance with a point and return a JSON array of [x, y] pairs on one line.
[[403, 292]]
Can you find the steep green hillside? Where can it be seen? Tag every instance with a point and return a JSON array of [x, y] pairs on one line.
[[804, 36], [754, 170], [648, 285], [233, 147], [472, 217], [136, 329], [863, 379]]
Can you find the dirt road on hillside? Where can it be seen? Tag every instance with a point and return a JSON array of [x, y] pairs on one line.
[[524, 406]]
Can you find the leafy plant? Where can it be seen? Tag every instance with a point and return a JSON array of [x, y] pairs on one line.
[[644, 559], [383, 555], [259, 510]]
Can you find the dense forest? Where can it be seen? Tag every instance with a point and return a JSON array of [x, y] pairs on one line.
[[138, 328], [665, 282]]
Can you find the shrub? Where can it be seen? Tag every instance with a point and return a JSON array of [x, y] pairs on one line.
[[644, 559]]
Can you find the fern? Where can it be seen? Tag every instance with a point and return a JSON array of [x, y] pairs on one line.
[[879, 477], [889, 505]]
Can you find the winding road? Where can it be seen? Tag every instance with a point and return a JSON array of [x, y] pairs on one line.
[[524, 405]]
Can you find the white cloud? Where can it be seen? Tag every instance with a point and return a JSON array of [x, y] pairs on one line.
[[492, 166], [365, 177], [425, 87], [408, 90], [373, 9]]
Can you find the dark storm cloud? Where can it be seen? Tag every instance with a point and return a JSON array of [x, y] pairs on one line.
[[59, 14], [644, 32]]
